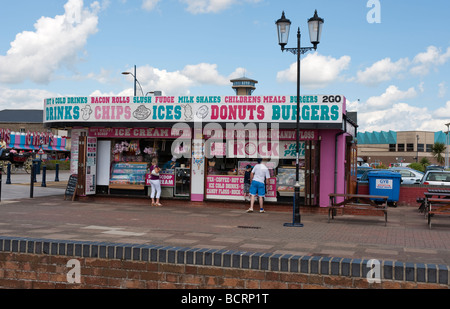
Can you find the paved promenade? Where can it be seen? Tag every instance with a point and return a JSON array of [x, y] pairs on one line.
[[406, 237]]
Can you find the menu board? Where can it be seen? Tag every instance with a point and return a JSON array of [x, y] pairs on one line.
[[74, 150], [71, 186], [91, 165]]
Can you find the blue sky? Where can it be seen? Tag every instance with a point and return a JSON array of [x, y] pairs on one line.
[[395, 73]]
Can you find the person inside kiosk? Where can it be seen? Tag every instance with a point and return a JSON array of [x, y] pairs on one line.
[[171, 164]]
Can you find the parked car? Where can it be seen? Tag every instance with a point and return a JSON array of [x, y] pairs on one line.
[[434, 167], [365, 177], [409, 175], [399, 164], [436, 178], [360, 171]]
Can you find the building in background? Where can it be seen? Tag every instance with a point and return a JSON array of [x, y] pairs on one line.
[[387, 147], [22, 120], [244, 85], [23, 129]]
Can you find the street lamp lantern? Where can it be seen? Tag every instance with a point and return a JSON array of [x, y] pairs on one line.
[[135, 80], [315, 24], [156, 93], [283, 26]]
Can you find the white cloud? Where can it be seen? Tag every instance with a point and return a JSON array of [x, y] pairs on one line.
[[55, 43], [432, 58], [388, 112], [352, 106], [381, 71], [103, 77], [23, 98], [149, 5], [179, 82], [169, 82], [398, 117], [238, 73], [207, 6], [442, 90], [125, 93], [391, 96], [442, 112], [204, 73], [317, 71], [386, 70], [211, 6], [421, 87]]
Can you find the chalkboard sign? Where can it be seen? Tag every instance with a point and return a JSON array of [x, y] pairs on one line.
[[71, 187]]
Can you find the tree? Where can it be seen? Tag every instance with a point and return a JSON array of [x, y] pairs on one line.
[[425, 162], [437, 150], [417, 166]]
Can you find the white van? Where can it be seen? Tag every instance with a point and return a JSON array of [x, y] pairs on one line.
[[399, 164]]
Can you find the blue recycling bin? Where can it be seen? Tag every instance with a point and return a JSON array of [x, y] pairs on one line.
[[385, 183]]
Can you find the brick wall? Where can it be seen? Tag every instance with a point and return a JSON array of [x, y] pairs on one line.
[[43, 264], [408, 193]]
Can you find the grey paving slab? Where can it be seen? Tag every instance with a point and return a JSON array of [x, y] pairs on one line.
[[21, 183]]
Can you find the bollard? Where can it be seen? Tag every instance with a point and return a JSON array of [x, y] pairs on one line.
[[57, 172], [38, 166], [34, 169], [8, 174], [44, 171], [32, 178]]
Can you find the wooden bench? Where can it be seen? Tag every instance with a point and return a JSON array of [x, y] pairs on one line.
[[437, 206], [431, 193], [358, 201]]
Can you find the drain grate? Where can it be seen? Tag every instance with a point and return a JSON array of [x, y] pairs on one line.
[[249, 227], [319, 254]]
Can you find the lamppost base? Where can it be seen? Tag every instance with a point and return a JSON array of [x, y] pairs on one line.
[[296, 219], [293, 224]]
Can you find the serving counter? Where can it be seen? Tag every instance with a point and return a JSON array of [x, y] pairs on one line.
[[128, 175]]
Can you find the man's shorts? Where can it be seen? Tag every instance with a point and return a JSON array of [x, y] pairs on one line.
[[246, 187], [258, 188]]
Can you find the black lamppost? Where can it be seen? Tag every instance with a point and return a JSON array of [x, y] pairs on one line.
[[135, 80], [315, 30]]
